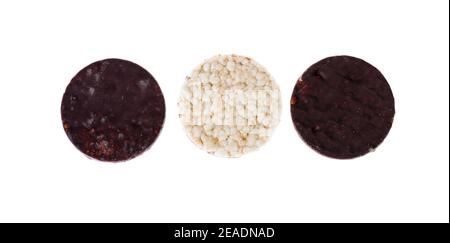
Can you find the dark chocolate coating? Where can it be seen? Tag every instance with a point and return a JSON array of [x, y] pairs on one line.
[[342, 107], [113, 110]]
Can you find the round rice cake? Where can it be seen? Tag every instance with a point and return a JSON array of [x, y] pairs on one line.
[[342, 107], [229, 105], [113, 110]]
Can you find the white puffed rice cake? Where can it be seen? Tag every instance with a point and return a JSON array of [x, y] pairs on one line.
[[229, 105]]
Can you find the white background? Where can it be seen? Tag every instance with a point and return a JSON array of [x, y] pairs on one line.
[[44, 178]]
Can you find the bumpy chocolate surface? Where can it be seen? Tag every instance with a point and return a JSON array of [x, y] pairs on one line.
[[342, 107], [113, 110]]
